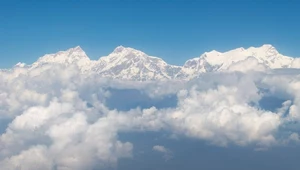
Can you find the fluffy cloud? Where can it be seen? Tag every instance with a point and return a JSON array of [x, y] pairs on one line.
[[222, 115], [57, 126], [58, 118]]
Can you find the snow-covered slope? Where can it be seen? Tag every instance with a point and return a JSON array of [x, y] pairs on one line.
[[131, 64], [240, 59], [71, 56], [128, 63]]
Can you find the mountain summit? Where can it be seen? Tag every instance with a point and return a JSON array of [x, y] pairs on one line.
[[261, 58], [71, 56], [131, 64]]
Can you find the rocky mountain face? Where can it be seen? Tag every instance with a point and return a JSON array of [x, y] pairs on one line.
[[131, 64]]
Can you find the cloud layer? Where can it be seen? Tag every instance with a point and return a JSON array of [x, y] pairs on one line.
[[54, 117]]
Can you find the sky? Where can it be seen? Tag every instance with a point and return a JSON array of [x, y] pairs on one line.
[[55, 116], [173, 30]]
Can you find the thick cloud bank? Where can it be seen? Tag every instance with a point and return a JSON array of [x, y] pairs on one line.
[[55, 118]]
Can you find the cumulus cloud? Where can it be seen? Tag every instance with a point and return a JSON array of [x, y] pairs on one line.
[[58, 118], [167, 153], [57, 126], [222, 115]]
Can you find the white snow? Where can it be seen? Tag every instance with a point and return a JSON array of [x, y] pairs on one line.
[[266, 57], [129, 63]]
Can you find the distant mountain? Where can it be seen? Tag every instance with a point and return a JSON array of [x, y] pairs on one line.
[[71, 56], [128, 63], [131, 64], [240, 59]]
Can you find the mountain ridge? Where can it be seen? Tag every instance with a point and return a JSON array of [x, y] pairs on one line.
[[132, 64]]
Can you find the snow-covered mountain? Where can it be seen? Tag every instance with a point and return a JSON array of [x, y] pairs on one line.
[[240, 59], [131, 64], [71, 56], [128, 63]]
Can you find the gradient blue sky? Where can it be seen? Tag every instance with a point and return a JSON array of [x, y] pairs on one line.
[[174, 30]]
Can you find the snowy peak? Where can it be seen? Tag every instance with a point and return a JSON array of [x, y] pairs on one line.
[[75, 53], [71, 56], [261, 58], [122, 54], [268, 48], [132, 64], [122, 51], [19, 64], [76, 50], [129, 63], [266, 54], [264, 51], [210, 54]]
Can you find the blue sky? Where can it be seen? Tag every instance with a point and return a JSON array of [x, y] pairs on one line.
[[174, 30]]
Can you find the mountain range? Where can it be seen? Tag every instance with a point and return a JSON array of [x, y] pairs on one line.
[[131, 64]]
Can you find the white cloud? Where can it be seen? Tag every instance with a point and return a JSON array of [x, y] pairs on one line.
[[59, 117], [222, 115], [58, 127], [35, 158]]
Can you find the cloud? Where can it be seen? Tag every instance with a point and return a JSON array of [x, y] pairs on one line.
[[50, 119], [69, 139], [57, 118], [33, 158], [222, 115], [167, 153]]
